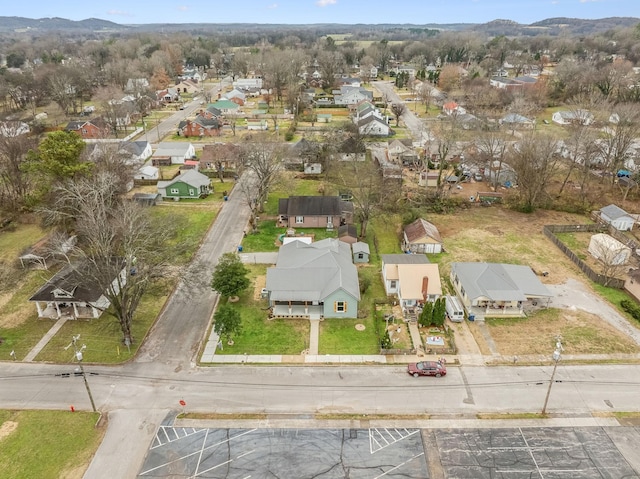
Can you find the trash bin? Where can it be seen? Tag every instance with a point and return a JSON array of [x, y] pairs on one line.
[[472, 317], [226, 198], [240, 249]]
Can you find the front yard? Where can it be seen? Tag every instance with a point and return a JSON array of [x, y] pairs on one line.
[[21, 329]]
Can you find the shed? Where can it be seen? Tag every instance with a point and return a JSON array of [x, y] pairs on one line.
[[422, 236], [361, 252], [617, 217], [609, 250], [348, 234]]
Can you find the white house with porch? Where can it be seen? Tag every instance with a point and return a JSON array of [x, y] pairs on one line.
[[497, 289], [72, 293]]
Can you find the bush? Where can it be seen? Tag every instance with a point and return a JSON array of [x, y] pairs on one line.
[[632, 308]]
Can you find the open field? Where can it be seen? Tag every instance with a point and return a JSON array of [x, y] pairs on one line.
[[36, 444]]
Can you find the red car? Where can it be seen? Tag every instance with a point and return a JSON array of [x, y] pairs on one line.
[[427, 368]]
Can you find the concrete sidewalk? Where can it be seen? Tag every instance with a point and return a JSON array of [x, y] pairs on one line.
[[31, 355]]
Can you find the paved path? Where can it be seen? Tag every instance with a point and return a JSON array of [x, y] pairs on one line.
[[314, 336], [416, 339], [127, 430], [45, 340]]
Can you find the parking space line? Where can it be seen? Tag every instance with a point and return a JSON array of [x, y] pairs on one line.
[[204, 441], [531, 453], [399, 465], [221, 464], [197, 452]]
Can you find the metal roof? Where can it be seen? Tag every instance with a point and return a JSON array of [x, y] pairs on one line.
[[312, 272], [499, 281]]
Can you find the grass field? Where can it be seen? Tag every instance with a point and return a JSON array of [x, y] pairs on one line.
[[43, 444], [582, 333]]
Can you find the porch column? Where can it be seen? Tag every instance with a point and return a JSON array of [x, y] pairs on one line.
[[306, 308], [290, 307], [75, 310], [39, 308], [94, 312], [57, 309]]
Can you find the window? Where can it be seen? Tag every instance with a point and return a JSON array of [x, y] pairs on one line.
[[192, 192], [175, 191], [341, 306], [393, 284], [360, 255], [299, 220]]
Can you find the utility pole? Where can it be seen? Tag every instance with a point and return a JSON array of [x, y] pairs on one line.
[[78, 357], [556, 359]]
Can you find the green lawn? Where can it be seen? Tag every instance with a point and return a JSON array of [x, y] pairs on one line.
[[102, 336], [260, 335], [340, 336], [20, 328], [268, 233], [386, 230], [47, 443], [14, 241]]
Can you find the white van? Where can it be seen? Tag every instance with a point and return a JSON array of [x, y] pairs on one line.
[[455, 311]]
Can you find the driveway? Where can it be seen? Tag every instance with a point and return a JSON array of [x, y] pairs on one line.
[[259, 258], [573, 294]]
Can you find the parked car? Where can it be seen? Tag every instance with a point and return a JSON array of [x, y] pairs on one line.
[[427, 368]]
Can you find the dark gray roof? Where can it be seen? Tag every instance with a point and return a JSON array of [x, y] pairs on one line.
[[313, 206], [312, 272], [135, 147], [76, 280], [404, 259], [499, 281], [347, 230]]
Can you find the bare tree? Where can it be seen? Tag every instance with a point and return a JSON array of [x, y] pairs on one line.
[[123, 249], [535, 162], [364, 180], [15, 181], [264, 157], [492, 148], [611, 256], [398, 110], [618, 137]]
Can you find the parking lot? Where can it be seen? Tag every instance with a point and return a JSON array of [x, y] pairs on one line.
[[505, 453], [286, 453]]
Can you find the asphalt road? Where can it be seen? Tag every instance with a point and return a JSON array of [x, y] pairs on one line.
[[175, 338], [418, 128], [169, 125]]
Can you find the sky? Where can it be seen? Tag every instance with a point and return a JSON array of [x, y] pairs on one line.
[[321, 11]]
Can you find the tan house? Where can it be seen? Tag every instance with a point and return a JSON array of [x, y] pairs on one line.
[[412, 278], [421, 237]]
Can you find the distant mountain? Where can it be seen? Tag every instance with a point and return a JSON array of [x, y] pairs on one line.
[[18, 24], [551, 26], [554, 26]]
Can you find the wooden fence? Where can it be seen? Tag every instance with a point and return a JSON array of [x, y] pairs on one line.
[[550, 232]]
